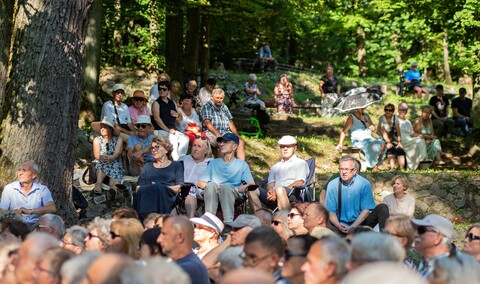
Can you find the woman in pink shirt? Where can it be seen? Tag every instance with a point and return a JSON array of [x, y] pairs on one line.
[[138, 105]]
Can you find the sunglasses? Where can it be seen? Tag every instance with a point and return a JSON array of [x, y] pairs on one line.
[[155, 148], [292, 215], [114, 235], [423, 229], [142, 125], [286, 146], [388, 109], [276, 222], [163, 89], [90, 236], [472, 237], [288, 254], [138, 99], [200, 137]]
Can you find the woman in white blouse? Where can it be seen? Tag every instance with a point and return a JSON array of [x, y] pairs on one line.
[[399, 202]]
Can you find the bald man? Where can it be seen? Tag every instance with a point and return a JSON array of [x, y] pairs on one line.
[[176, 240]]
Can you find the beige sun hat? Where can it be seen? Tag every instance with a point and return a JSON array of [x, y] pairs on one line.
[[96, 126]]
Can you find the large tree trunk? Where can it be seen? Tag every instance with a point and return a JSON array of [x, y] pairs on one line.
[[446, 65], [117, 35], [192, 42], [6, 16], [174, 40], [45, 87], [361, 52], [205, 49], [91, 66], [475, 99]]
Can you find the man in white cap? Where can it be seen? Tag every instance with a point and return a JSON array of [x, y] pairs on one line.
[[291, 171], [117, 111], [413, 79], [433, 239], [138, 148]]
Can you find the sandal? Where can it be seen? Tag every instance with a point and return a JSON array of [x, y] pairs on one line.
[[97, 189]]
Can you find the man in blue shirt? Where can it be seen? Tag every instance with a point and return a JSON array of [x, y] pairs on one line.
[[223, 178], [357, 206], [26, 196], [413, 79], [138, 148], [265, 58]]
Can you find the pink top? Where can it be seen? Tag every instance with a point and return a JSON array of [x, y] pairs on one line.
[[134, 112]]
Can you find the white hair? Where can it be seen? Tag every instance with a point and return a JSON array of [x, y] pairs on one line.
[[39, 244], [371, 247], [74, 270], [78, 235], [335, 249], [170, 273], [56, 222], [385, 273], [252, 77], [6, 247], [456, 269], [231, 256]]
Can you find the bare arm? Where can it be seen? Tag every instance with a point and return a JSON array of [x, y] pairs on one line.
[[156, 116], [211, 258], [96, 148], [233, 128], [208, 124], [345, 129], [363, 215], [48, 208]]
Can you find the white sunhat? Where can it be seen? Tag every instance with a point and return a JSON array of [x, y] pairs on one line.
[[287, 140], [144, 119], [209, 220]]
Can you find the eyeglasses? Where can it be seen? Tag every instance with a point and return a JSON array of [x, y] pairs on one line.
[[114, 235], [472, 237], [142, 125], [402, 109], [286, 146], [276, 222], [252, 259], [345, 170], [392, 234], [423, 229], [163, 89], [68, 243], [138, 99], [288, 254], [90, 236], [292, 215], [388, 109], [200, 137], [155, 148]]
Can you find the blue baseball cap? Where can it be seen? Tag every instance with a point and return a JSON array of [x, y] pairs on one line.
[[229, 137]]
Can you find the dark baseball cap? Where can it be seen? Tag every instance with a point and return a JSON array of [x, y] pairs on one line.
[[229, 137]]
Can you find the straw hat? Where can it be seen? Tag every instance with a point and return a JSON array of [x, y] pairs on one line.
[[96, 126], [137, 95]]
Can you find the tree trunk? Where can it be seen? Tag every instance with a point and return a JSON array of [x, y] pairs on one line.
[[475, 99], [192, 42], [45, 84], [446, 65], [6, 16], [174, 40], [361, 52], [205, 49], [91, 66], [117, 35]]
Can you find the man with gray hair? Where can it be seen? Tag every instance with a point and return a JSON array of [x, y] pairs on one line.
[[74, 239], [74, 270], [51, 224], [326, 261], [433, 238], [27, 196]]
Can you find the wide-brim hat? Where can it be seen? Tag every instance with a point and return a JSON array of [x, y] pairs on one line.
[[287, 140], [84, 186], [97, 125], [209, 220], [137, 95], [438, 222]]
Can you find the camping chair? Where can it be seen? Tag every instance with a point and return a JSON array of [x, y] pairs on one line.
[[306, 192], [181, 196]]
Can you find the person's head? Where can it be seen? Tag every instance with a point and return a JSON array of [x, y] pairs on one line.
[[208, 228], [229, 259], [295, 217], [347, 168], [218, 95], [295, 255], [187, 102], [148, 246], [228, 143], [252, 78], [138, 100], [439, 90], [211, 82], [402, 109], [315, 215], [27, 172], [247, 276], [191, 86], [426, 112], [265, 216], [354, 231], [288, 146], [389, 110], [384, 272], [48, 270], [150, 271], [149, 221], [74, 239], [280, 224], [462, 92], [414, 65], [400, 227], [370, 247], [241, 227], [107, 268], [326, 261], [283, 79], [74, 270], [471, 242], [8, 250], [13, 229], [176, 237], [163, 77], [263, 249], [399, 184], [433, 235], [176, 88], [266, 46], [144, 126], [30, 254], [456, 268], [118, 91], [161, 147], [98, 234], [163, 88], [329, 70], [124, 213], [125, 236], [51, 224], [201, 149]]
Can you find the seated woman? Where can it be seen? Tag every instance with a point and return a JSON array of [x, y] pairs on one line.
[[284, 95], [361, 128], [138, 105], [399, 202], [190, 125], [295, 218], [175, 91], [159, 181], [107, 150], [415, 147], [208, 230], [252, 93], [124, 237], [98, 232], [388, 128], [423, 126]]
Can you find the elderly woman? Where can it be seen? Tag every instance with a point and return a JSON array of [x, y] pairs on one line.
[[98, 233], [74, 239], [471, 242], [295, 219], [159, 181], [208, 228], [125, 235], [190, 125], [389, 129], [107, 150], [423, 126], [415, 147], [399, 202], [400, 227], [138, 105], [252, 93], [283, 92], [361, 127]]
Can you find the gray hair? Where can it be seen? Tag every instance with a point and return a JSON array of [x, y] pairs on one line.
[[6, 247], [78, 235], [74, 270], [103, 227], [56, 222], [40, 243], [371, 247], [231, 256], [252, 77], [35, 166], [356, 163], [335, 249], [456, 269], [283, 215], [170, 271]]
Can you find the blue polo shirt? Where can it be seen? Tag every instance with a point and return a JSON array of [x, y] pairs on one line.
[[411, 75], [220, 172], [134, 139]]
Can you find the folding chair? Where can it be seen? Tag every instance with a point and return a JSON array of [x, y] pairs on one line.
[[181, 196]]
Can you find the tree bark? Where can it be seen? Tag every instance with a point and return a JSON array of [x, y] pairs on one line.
[[174, 40], [91, 66], [45, 84], [446, 65], [117, 35], [6, 17], [205, 49], [192, 42], [361, 52]]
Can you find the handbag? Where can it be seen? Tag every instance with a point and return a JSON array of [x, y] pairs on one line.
[[91, 171]]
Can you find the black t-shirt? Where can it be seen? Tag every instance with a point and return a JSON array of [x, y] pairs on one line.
[[330, 86], [439, 106], [167, 118], [463, 106]]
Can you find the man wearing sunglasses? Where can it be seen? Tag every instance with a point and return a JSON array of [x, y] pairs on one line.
[[138, 148], [433, 240], [118, 112]]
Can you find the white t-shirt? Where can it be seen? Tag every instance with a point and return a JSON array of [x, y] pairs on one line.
[[285, 173], [396, 206], [108, 110], [193, 118]]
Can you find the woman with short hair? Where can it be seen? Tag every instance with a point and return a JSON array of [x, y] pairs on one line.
[[125, 237], [399, 202], [98, 233], [401, 228], [471, 242]]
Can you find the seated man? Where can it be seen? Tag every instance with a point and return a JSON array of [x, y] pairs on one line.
[[118, 112], [138, 148], [356, 205], [205, 93], [265, 59], [193, 167], [413, 79], [224, 177], [442, 124], [217, 121], [462, 108], [289, 172], [252, 93], [26, 196]]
